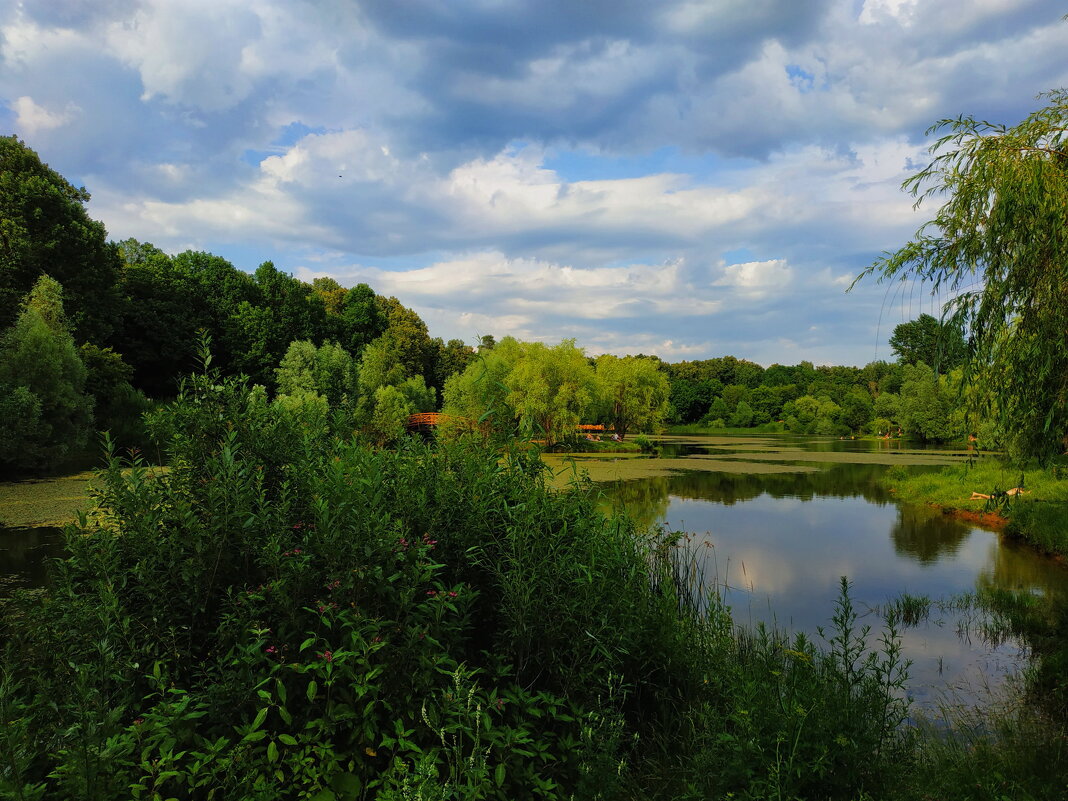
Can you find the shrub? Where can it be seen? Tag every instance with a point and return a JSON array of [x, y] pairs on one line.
[[284, 613]]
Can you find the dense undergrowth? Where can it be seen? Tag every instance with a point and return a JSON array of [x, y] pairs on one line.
[[285, 613]]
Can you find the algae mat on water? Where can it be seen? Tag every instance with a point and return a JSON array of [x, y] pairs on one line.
[[53, 501], [44, 501], [566, 469], [751, 455]]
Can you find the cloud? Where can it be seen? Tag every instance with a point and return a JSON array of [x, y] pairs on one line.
[[32, 119], [698, 177]]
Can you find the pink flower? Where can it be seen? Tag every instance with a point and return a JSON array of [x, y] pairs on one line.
[[327, 655]]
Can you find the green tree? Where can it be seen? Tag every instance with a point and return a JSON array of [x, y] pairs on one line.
[[327, 371], [117, 406], [451, 358], [742, 417], [362, 320], [44, 229], [551, 388], [480, 394], [926, 405], [633, 391], [999, 245], [938, 345], [42, 383], [413, 347], [161, 314]]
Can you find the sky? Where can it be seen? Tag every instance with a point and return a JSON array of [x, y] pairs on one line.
[[685, 178]]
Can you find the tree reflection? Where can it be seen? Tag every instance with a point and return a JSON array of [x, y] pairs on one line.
[[926, 535]]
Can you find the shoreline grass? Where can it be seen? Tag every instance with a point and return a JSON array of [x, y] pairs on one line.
[[1039, 515]]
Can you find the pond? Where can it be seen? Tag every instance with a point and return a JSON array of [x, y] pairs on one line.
[[24, 554], [776, 521]]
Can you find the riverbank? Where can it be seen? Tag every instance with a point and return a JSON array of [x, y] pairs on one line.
[[1037, 514]]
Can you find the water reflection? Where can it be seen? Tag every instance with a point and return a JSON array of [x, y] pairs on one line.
[[927, 535], [777, 544], [24, 554]]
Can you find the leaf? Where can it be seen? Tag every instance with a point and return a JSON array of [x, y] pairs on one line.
[[287, 739], [260, 717], [498, 775], [272, 751], [313, 688]]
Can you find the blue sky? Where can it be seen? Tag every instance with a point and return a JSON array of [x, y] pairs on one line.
[[685, 178]]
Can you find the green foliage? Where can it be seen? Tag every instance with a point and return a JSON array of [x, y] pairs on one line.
[[42, 384], [1001, 229], [117, 406], [925, 339], [926, 405], [742, 416], [550, 389], [327, 371], [480, 393], [633, 392], [45, 230], [286, 614]]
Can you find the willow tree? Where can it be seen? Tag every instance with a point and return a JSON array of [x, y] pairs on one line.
[[634, 393], [999, 245]]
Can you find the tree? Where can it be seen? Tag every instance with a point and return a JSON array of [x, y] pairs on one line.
[[362, 320], [449, 359], [742, 417], [633, 391], [327, 371], [999, 243], [926, 405], [480, 394], [161, 314], [44, 229], [940, 346], [551, 388], [117, 406], [42, 384]]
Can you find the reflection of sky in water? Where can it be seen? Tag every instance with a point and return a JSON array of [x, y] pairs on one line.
[[780, 555]]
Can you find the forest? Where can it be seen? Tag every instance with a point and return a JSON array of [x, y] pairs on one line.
[[95, 332]]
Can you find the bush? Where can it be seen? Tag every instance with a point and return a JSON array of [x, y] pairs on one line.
[[284, 613]]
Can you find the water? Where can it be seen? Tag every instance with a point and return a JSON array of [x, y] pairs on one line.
[[777, 545], [24, 554]]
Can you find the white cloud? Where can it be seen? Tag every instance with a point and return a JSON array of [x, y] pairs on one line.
[[757, 278], [32, 119], [528, 173]]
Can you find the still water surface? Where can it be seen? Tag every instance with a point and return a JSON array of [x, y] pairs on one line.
[[777, 544]]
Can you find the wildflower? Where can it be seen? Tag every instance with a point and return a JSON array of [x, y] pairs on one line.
[[327, 655], [272, 650], [431, 593], [452, 594], [139, 721]]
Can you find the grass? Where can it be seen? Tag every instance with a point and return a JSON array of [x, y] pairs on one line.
[[1040, 517]]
